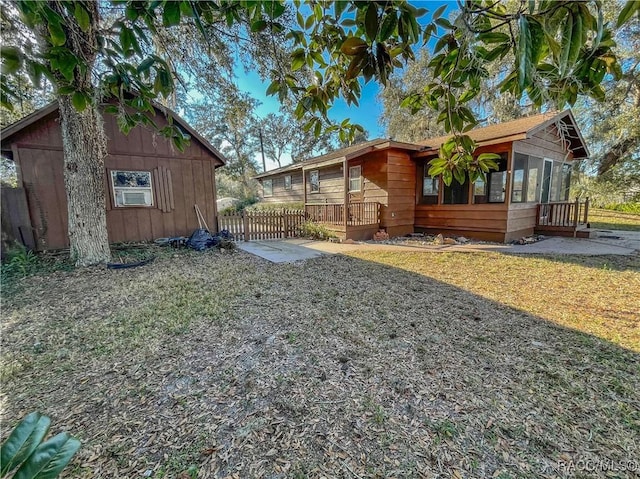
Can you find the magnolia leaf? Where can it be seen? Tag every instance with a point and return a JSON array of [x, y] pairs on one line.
[[353, 46], [50, 458], [22, 441], [171, 13], [631, 7], [389, 25], [371, 21], [79, 101], [11, 59], [259, 25], [82, 17], [57, 35]]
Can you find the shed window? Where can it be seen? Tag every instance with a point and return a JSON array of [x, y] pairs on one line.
[[132, 188], [287, 182], [267, 188], [355, 180], [314, 181]]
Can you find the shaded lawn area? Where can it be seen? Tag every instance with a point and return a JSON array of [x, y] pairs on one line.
[[613, 220], [225, 365]]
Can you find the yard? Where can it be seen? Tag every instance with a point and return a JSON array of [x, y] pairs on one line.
[[369, 365], [614, 220]]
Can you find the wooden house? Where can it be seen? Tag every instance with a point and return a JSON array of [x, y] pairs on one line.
[[383, 184], [151, 187]]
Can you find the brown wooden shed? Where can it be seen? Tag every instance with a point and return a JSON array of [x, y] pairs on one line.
[[151, 187]]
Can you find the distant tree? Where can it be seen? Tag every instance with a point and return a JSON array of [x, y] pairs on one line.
[[283, 134], [231, 126]]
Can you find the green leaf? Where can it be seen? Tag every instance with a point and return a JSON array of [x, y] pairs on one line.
[[459, 174], [22, 441], [371, 21], [171, 13], [389, 25], [567, 35], [79, 101], [353, 46], [524, 57], [273, 87], [494, 37], [49, 459], [57, 35], [298, 62], [438, 13], [82, 17], [259, 25], [631, 7], [11, 59]]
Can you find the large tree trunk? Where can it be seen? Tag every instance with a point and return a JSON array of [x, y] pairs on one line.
[[84, 141], [85, 148]]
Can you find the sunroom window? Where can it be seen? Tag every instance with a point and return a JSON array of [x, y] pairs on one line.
[[132, 188]]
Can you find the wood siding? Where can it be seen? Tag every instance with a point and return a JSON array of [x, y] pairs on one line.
[[180, 180], [544, 144], [331, 185], [398, 217], [280, 195]]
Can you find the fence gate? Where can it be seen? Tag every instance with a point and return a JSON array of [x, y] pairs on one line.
[[262, 225]]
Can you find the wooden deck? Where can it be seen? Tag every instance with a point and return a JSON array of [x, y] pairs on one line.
[[362, 219], [563, 219]]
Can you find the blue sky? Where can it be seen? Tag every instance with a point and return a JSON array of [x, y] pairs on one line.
[[366, 114]]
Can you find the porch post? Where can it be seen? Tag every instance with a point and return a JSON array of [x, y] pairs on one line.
[[304, 188], [346, 194]]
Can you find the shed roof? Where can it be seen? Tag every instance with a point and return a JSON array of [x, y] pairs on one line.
[[521, 129], [37, 115]]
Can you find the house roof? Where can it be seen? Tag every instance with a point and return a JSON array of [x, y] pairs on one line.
[[37, 115], [521, 129], [341, 154]]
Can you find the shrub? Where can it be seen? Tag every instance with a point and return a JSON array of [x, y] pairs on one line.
[[295, 205], [312, 230], [631, 207]]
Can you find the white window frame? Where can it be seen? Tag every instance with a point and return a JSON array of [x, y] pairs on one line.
[[122, 189], [312, 184], [287, 187], [264, 188], [353, 178]]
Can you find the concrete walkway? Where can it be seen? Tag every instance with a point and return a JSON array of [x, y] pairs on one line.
[[606, 243], [285, 251]]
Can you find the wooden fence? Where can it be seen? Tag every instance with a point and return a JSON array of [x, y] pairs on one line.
[[359, 214], [262, 225]]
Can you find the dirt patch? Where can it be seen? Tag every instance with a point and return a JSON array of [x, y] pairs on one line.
[[225, 365]]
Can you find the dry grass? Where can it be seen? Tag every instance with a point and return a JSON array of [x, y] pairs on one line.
[[224, 365], [613, 220]]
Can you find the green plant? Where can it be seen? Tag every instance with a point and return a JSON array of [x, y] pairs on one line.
[[629, 207], [20, 261], [34, 458], [312, 230]]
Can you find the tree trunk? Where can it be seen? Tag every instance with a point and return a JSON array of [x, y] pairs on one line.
[[85, 148]]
